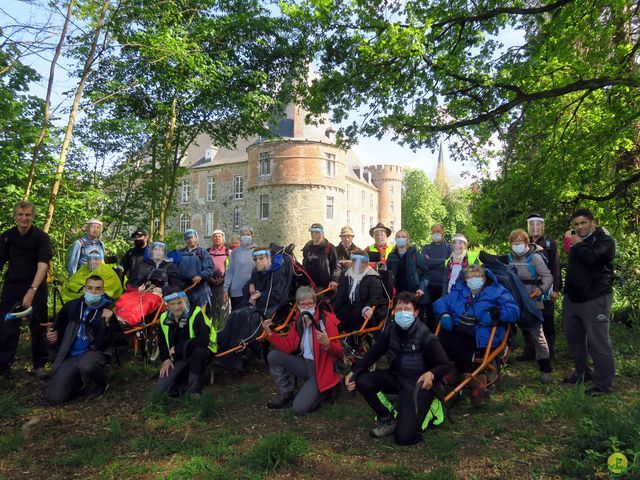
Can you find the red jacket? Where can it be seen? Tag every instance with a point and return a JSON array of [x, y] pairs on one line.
[[326, 375]]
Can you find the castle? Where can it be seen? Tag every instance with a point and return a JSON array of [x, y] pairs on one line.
[[281, 186]]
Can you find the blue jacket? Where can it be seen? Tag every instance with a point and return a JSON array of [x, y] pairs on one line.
[[493, 294], [417, 270]]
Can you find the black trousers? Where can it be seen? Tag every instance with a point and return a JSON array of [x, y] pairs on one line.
[[74, 372], [186, 376], [13, 293], [435, 292], [409, 422], [460, 348], [350, 317]]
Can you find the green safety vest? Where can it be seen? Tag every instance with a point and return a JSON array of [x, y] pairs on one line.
[[389, 249], [213, 335]]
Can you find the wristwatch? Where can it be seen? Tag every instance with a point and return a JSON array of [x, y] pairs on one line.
[[35, 289]]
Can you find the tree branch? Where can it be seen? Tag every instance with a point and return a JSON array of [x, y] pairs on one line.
[[619, 191]]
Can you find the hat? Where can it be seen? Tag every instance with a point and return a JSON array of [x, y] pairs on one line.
[[316, 227], [94, 220], [216, 232], [346, 231], [140, 231], [379, 226], [535, 217], [190, 233], [459, 236]]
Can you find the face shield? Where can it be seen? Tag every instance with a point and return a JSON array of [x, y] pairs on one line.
[[262, 259], [535, 226], [158, 251], [94, 260], [359, 263], [177, 304]]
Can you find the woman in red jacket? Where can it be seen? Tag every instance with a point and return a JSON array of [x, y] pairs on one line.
[[307, 353]]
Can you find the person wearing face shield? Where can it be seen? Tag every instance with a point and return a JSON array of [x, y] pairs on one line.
[[186, 342], [467, 314], [459, 259], [409, 270], [239, 268], [88, 242], [74, 286], [435, 254], [360, 289], [535, 228], [83, 330], [416, 361], [381, 247], [136, 255], [586, 307], [195, 268], [306, 353], [320, 260], [157, 270]]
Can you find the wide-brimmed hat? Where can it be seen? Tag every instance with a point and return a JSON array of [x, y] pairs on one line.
[[347, 231], [380, 226]]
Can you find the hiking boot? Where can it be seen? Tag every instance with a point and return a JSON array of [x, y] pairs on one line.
[[546, 377], [283, 401], [526, 356], [98, 391], [478, 390], [41, 373], [384, 428], [576, 377], [597, 392]]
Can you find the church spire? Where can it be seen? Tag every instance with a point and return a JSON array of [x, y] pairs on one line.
[[442, 181]]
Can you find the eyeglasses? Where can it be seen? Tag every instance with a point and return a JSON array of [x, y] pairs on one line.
[[305, 305]]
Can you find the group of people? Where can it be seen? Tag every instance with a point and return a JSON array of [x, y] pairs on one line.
[[442, 287]]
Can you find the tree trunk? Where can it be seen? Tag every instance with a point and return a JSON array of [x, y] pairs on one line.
[[166, 171], [46, 114], [55, 188]]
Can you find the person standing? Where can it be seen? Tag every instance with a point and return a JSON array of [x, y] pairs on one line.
[[195, 268], [133, 257], [320, 260], [435, 254], [28, 252], [219, 254], [381, 247], [345, 248], [239, 269], [89, 242], [586, 306]]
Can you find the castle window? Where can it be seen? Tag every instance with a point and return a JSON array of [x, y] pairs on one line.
[[265, 164], [362, 226], [371, 201], [185, 190], [330, 202], [208, 223], [364, 196], [264, 207], [237, 218], [330, 165], [348, 218], [238, 188], [185, 222], [210, 189], [370, 222], [392, 225], [348, 193], [391, 189], [392, 206]]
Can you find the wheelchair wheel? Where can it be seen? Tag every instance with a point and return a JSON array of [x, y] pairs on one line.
[[152, 349]]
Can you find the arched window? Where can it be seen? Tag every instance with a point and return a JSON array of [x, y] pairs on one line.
[[185, 222]]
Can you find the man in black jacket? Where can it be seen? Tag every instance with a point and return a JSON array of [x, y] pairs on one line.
[[84, 329], [415, 357], [320, 260], [134, 257], [587, 302]]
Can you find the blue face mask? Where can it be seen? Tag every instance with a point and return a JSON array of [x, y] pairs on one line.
[[401, 242], [404, 319], [92, 298], [246, 239], [475, 283]]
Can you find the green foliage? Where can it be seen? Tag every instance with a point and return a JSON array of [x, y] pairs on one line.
[[421, 206], [10, 405], [276, 450], [91, 450]]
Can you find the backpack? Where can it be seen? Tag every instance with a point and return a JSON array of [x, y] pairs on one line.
[[534, 274]]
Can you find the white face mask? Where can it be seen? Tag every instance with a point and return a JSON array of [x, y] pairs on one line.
[[436, 237], [519, 248]]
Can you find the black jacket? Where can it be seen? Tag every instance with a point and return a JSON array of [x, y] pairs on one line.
[[166, 273], [67, 324], [321, 263], [590, 268], [179, 337], [369, 293]]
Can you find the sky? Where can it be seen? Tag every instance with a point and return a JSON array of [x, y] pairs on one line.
[[369, 150]]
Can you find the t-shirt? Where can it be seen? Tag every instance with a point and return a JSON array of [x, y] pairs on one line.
[[24, 252]]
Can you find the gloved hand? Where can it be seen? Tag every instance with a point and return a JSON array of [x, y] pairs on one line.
[[446, 322], [486, 320], [495, 313]]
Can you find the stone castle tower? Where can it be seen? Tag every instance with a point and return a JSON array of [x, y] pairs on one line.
[[281, 186]]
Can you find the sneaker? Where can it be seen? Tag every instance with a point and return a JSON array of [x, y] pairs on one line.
[[41, 373], [597, 392], [546, 377], [98, 392], [576, 377], [283, 401], [384, 428]]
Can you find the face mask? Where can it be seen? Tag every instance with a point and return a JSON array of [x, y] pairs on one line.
[[246, 239], [92, 298], [310, 311], [139, 243], [518, 248], [436, 237], [401, 242], [404, 319], [475, 283]]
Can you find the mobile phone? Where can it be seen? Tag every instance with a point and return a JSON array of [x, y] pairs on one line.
[[573, 232]]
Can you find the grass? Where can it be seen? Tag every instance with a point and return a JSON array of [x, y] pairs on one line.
[[11, 405], [402, 471], [276, 450], [10, 443]]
